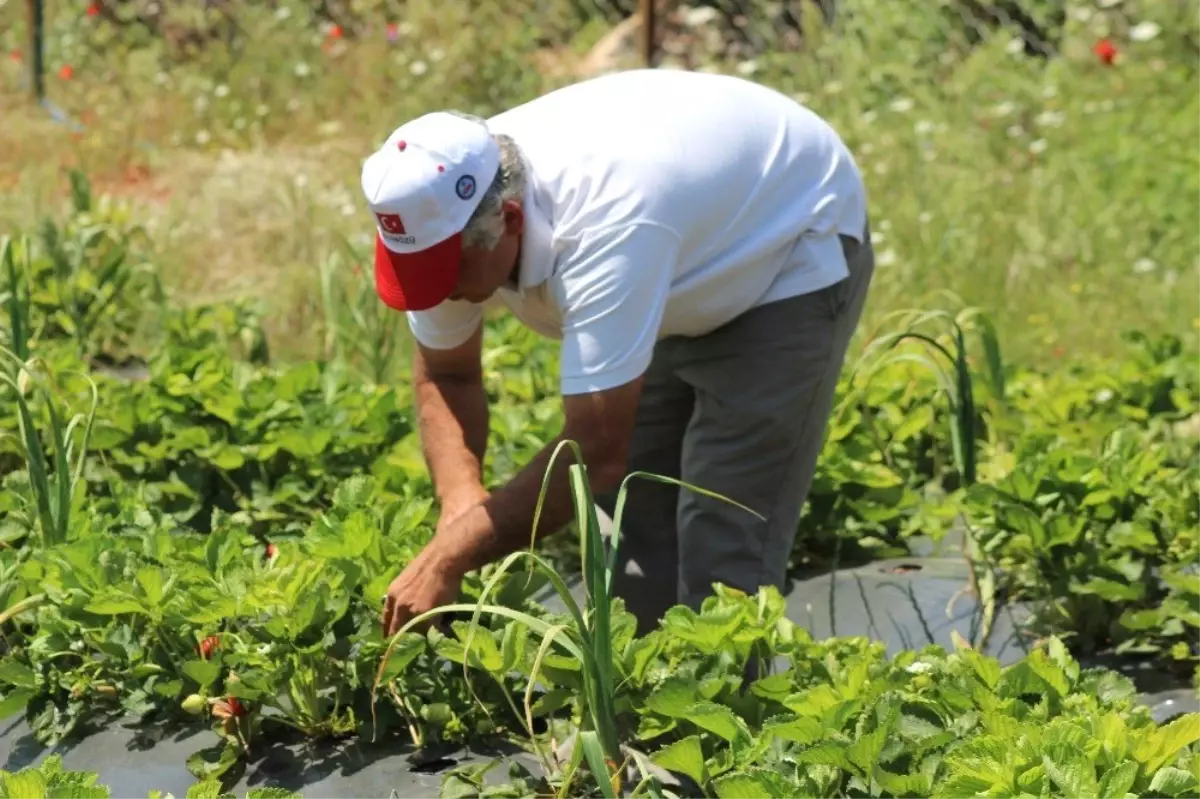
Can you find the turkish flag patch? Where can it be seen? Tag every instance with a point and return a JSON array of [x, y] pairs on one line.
[[392, 223]]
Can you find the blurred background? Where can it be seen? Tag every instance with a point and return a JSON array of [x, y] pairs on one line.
[[1035, 157]]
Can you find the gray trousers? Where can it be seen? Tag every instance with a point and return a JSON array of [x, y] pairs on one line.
[[741, 411]]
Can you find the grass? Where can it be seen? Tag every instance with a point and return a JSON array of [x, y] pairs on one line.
[[1059, 195]]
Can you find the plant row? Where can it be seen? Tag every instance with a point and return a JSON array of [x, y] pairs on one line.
[[209, 544]]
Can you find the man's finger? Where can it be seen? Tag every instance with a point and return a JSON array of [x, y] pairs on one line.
[[388, 611], [399, 618]]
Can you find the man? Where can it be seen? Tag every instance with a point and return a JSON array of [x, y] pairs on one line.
[[699, 245]]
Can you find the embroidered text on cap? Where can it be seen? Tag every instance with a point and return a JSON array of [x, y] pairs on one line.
[[393, 228]]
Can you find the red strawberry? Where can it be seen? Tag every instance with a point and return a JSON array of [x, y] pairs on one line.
[[207, 646], [272, 551], [236, 707]]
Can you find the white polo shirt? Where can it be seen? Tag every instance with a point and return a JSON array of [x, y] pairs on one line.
[[663, 203]]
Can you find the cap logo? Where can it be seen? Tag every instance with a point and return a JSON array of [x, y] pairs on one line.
[[393, 228], [465, 188]]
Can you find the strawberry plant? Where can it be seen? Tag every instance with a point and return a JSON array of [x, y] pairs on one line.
[[49, 780], [208, 432], [209, 544], [86, 279]]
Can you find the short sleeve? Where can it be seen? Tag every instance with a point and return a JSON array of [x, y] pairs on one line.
[[445, 326], [614, 293]]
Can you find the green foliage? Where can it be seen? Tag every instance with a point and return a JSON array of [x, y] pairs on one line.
[[135, 574], [85, 279]]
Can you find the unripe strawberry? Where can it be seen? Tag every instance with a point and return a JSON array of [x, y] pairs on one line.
[[194, 704]]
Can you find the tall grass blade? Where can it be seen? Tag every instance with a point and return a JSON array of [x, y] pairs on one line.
[[965, 410], [35, 461], [594, 752], [622, 495], [18, 307], [599, 683]]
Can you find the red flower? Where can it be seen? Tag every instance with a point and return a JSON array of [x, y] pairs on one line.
[[208, 645], [93, 10], [1105, 50], [66, 71]]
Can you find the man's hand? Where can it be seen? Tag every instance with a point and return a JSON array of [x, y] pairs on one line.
[[471, 535], [428, 582]]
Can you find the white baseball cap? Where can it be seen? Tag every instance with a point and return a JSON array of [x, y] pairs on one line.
[[423, 184]]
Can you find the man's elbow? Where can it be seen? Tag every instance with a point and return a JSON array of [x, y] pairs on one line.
[[606, 462]]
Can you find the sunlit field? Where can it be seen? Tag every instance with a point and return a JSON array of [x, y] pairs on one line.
[[210, 469]]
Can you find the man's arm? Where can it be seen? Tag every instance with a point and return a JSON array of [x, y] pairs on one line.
[[452, 418], [601, 423]]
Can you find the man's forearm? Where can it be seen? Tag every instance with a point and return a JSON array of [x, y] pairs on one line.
[[504, 522], [452, 416]]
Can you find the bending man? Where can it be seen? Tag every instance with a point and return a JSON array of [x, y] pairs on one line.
[[699, 245]]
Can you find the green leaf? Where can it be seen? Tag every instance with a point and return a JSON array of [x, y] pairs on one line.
[[113, 603], [827, 753], [206, 789], [987, 668], [272, 793], [408, 648], [16, 674], [1075, 778], [685, 756], [801, 730], [204, 672], [1119, 780], [776, 687], [674, 697], [1111, 590], [1156, 749], [211, 763], [917, 784], [227, 458], [1171, 781], [15, 701], [718, 720], [754, 782], [150, 579], [25, 784], [1054, 676]]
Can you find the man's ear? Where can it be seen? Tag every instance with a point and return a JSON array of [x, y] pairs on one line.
[[514, 217]]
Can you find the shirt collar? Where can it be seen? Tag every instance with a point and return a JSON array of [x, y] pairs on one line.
[[537, 242]]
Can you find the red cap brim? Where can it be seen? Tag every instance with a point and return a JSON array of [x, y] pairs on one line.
[[420, 280]]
